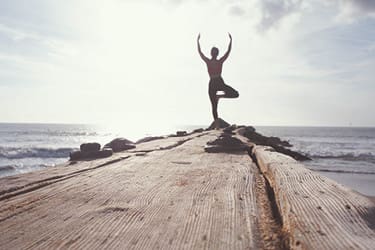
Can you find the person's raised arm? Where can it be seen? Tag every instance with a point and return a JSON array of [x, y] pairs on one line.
[[225, 56], [204, 58]]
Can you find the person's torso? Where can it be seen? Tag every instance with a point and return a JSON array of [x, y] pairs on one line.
[[215, 68]]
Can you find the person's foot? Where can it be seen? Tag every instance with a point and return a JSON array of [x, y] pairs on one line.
[[217, 124]]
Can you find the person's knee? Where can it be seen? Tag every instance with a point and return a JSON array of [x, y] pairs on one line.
[[234, 94]]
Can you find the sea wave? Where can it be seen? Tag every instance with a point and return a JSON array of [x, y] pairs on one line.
[[53, 133], [367, 157], [8, 168], [34, 152]]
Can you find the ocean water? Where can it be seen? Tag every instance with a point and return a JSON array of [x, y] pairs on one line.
[[344, 154], [334, 150], [28, 147]]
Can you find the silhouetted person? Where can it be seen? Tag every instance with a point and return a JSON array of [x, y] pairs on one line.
[[216, 83]]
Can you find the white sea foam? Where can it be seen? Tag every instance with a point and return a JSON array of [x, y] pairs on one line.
[[20, 153]]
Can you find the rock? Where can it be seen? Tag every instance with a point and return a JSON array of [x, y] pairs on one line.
[[227, 144], [198, 130], [149, 138], [120, 144], [259, 139], [249, 129], [274, 142], [90, 147], [229, 130], [103, 153], [89, 155], [75, 155], [222, 124], [297, 156], [181, 133]]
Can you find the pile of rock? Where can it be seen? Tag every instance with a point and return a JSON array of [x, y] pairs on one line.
[[226, 143], [198, 130], [149, 138], [119, 144], [275, 142], [181, 133], [259, 139], [90, 151]]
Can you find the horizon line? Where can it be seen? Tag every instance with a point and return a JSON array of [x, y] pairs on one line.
[[195, 125]]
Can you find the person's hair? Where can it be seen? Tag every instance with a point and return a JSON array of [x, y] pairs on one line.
[[214, 52]]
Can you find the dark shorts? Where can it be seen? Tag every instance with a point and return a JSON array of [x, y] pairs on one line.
[[217, 84]]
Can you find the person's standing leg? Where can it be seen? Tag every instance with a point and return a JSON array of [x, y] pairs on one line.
[[214, 102]]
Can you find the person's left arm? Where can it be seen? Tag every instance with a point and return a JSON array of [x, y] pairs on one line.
[[229, 49]]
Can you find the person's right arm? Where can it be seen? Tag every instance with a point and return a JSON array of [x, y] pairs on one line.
[[204, 58]]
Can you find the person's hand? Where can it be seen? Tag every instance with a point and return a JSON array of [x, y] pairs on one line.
[[199, 37], [230, 36]]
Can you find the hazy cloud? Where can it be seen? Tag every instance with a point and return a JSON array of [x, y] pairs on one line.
[[354, 9], [363, 5], [273, 11], [237, 10]]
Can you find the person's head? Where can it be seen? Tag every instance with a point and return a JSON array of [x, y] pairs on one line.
[[214, 52]]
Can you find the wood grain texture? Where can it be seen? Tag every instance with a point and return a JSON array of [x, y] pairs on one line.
[[175, 196], [170, 194], [317, 212], [17, 183]]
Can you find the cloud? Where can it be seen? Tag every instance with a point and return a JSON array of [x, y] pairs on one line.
[[17, 34], [354, 9], [365, 6], [274, 11], [237, 10], [270, 13]]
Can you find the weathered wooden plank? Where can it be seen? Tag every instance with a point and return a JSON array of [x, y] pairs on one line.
[[317, 212], [173, 197], [20, 183], [170, 194]]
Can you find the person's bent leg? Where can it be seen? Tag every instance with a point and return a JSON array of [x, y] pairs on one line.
[[230, 92]]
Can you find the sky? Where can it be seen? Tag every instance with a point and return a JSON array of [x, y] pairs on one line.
[[294, 62]]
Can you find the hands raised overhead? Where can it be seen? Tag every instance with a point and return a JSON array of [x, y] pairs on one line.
[[222, 59], [199, 36]]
